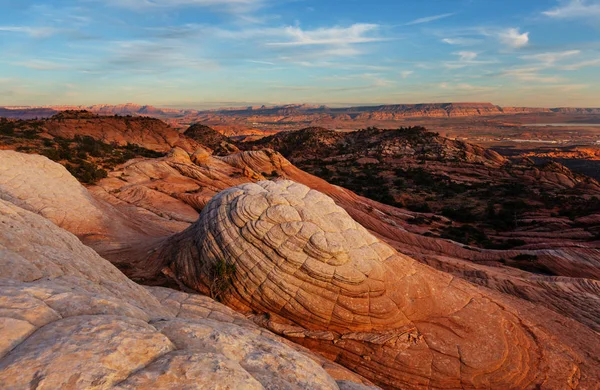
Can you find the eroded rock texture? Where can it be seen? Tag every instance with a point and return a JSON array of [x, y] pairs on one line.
[[310, 272], [70, 320]]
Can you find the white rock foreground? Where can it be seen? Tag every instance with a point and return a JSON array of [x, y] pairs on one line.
[[70, 320]]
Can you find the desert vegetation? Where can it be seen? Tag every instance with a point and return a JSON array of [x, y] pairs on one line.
[[87, 158]]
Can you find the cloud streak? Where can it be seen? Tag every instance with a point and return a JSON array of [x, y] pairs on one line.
[[35, 32], [356, 33], [552, 57], [461, 41], [575, 9], [530, 74], [430, 19]]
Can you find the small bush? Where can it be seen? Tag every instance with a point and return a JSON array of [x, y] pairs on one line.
[[460, 214], [466, 234], [525, 257], [419, 207], [221, 279]]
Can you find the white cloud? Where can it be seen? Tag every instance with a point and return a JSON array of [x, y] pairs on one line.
[[461, 41], [575, 9], [466, 55], [429, 19], [356, 33], [261, 62], [406, 73], [512, 37]]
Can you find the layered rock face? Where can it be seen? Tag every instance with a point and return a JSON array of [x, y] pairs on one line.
[[69, 319], [313, 274]]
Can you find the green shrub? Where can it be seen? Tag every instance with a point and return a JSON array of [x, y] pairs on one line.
[[419, 207], [525, 257], [221, 279], [466, 234], [460, 214], [87, 172]]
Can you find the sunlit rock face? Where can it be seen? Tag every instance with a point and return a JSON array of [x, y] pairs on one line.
[[310, 272], [70, 320]]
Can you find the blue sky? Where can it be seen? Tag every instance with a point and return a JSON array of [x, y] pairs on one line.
[[206, 53]]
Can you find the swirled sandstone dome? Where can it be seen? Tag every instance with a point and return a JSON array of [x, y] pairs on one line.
[[337, 268], [339, 290]]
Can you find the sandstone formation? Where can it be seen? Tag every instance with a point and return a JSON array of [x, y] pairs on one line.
[[150, 133], [151, 194], [148, 200], [314, 275], [39, 185], [69, 319]]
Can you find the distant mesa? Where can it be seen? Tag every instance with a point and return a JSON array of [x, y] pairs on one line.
[[380, 112]]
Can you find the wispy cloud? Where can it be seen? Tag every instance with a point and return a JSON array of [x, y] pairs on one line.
[[530, 74], [551, 57], [512, 37], [150, 57], [461, 41], [465, 87], [356, 33], [35, 32], [465, 59], [406, 73], [218, 4], [429, 19], [575, 9], [556, 60], [42, 65], [261, 62], [580, 65], [466, 55]]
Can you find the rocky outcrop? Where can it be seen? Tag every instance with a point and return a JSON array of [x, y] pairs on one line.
[[414, 142], [147, 132], [210, 138], [37, 184], [316, 276], [69, 319]]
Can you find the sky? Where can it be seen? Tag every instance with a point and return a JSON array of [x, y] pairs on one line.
[[212, 53]]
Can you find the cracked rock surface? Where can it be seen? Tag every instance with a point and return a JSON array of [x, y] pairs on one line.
[[322, 280], [69, 319]]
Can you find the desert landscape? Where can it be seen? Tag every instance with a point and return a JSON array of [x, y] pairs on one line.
[[364, 258], [299, 195]]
